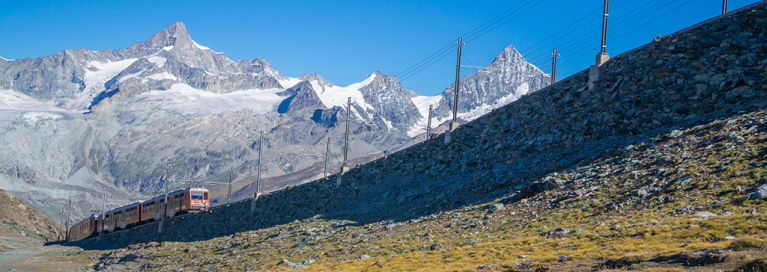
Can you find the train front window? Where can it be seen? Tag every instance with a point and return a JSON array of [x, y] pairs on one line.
[[197, 195], [206, 195]]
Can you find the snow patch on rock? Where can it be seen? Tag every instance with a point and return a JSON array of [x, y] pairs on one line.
[[162, 76], [96, 75], [521, 90], [422, 104], [200, 46], [288, 82], [337, 96], [159, 61], [33, 117], [134, 75], [186, 100]]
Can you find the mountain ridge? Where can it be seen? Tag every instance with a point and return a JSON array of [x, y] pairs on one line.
[[170, 101]]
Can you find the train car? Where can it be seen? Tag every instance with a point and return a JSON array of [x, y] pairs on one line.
[[131, 215], [83, 229], [120, 218], [109, 220], [198, 199], [152, 209], [182, 201], [179, 202], [194, 199]]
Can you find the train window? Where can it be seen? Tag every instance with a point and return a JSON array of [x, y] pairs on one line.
[[197, 195], [206, 195]]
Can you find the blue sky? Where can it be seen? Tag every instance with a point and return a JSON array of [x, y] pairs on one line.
[[345, 41]]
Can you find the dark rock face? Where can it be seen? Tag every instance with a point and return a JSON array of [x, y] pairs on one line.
[[303, 96], [391, 101]]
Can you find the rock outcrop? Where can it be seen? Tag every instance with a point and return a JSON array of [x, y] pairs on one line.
[[16, 212]]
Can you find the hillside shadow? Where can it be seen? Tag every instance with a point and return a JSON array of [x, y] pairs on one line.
[[501, 156], [377, 193]]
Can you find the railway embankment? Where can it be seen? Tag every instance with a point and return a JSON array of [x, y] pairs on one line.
[[673, 132]]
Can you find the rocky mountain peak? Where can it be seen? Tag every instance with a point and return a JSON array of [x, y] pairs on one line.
[[509, 53], [315, 76], [175, 35]]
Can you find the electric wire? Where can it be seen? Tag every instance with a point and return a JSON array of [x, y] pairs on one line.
[[504, 22], [619, 30], [426, 63], [538, 56], [632, 30], [430, 64], [441, 50], [620, 25], [560, 31]]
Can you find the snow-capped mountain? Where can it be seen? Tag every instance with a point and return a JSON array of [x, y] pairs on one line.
[[505, 80], [80, 118]]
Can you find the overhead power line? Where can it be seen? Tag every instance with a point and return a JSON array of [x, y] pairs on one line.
[[470, 38], [543, 51], [630, 31], [474, 34], [583, 42], [441, 50], [560, 31], [430, 64]]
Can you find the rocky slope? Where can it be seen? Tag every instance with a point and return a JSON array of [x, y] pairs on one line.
[[658, 167], [75, 121], [18, 214]]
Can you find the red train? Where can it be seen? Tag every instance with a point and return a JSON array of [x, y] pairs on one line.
[[141, 212]]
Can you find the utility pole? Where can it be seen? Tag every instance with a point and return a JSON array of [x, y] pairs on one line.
[[104, 214], [68, 213], [61, 218], [167, 183], [454, 123], [554, 66], [724, 7], [327, 156], [229, 195], [428, 124], [165, 204], [346, 140], [258, 174], [597, 70], [604, 28], [344, 166]]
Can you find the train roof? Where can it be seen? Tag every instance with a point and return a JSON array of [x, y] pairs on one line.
[[124, 207], [176, 192], [82, 220], [142, 201]]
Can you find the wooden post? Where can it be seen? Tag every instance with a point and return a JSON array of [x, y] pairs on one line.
[[258, 172], [229, 195], [327, 156], [554, 66], [428, 124], [68, 214], [344, 166], [165, 204], [61, 218]]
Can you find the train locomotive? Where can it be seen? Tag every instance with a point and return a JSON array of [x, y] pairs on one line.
[[141, 212]]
